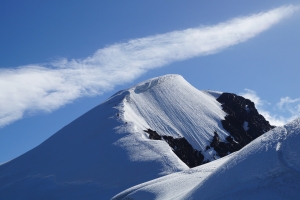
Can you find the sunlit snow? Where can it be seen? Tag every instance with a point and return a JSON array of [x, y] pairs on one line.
[[106, 151], [267, 168]]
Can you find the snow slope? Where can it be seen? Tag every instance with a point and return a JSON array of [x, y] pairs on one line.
[[173, 186], [106, 150], [267, 168], [173, 107]]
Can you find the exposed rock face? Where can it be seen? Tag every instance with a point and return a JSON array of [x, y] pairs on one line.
[[181, 147], [153, 135], [224, 148], [243, 122]]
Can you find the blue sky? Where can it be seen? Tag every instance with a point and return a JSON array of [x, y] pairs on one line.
[[60, 59]]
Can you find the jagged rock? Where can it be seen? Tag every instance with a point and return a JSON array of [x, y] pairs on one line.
[[229, 139], [243, 122], [223, 148], [153, 135], [181, 147], [184, 150], [216, 140]]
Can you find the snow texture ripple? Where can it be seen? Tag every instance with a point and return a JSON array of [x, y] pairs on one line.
[[267, 168]]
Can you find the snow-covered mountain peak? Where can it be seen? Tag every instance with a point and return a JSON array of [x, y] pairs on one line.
[[158, 127], [167, 79], [171, 106]]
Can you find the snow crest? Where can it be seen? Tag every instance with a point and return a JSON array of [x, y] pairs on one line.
[[106, 150], [267, 168], [172, 107]]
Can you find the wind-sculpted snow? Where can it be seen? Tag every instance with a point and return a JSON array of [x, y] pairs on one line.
[[173, 186], [171, 106], [106, 150], [87, 160], [267, 168]]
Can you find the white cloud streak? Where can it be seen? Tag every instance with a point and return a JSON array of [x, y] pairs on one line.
[[46, 87], [291, 105], [290, 108]]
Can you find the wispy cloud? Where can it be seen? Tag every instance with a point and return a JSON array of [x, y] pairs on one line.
[[289, 104], [287, 109], [48, 86]]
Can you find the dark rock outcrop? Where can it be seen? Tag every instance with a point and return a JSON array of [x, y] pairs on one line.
[[243, 122], [181, 147], [224, 148], [153, 135], [184, 150]]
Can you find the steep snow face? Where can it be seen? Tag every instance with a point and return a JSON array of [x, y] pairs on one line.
[[267, 168], [106, 150], [87, 160], [171, 106]]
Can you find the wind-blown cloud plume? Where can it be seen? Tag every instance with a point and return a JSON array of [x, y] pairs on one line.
[[289, 109], [46, 87], [289, 104]]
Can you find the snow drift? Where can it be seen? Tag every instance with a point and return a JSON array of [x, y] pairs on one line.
[[267, 168]]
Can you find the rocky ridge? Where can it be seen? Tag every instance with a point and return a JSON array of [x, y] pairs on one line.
[[242, 122]]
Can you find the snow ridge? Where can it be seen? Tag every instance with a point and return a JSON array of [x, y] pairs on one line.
[[267, 168], [171, 106], [106, 150]]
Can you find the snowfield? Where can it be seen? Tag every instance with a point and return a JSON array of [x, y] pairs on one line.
[[173, 186], [267, 168], [106, 151]]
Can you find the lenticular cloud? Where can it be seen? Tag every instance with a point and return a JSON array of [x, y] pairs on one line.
[[46, 87]]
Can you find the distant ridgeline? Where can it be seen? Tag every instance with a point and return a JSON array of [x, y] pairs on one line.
[[242, 122]]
